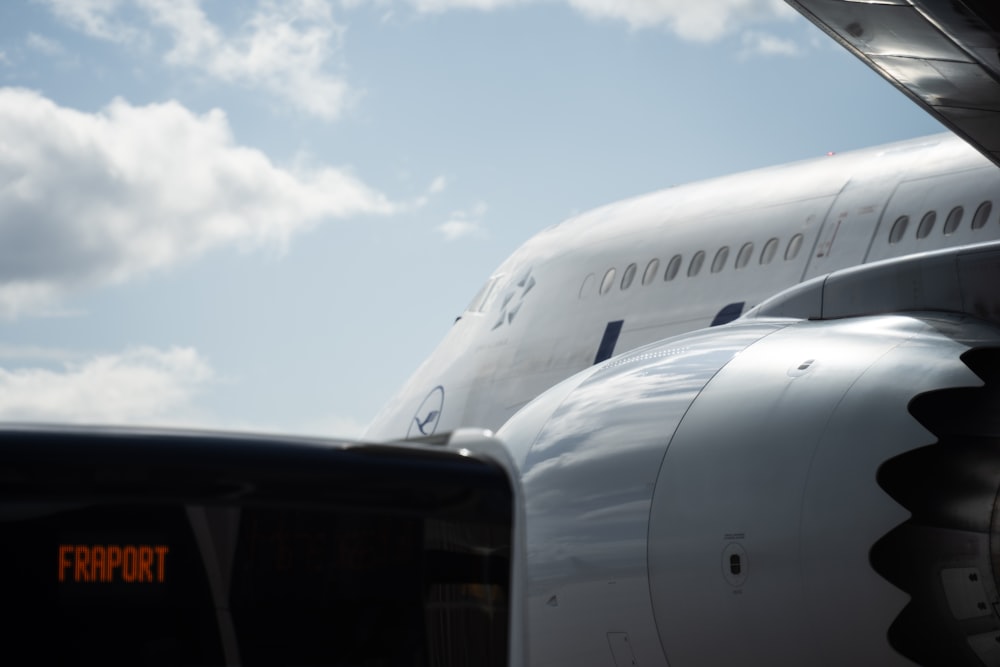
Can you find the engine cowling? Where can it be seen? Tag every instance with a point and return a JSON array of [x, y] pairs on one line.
[[779, 492]]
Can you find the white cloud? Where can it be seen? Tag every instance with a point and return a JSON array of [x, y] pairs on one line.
[[464, 223], [143, 385], [760, 43], [456, 228], [140, 386], [437, 185], [445, 5], [290, 49], [704, 20], [44, 45], [99, 198], [284, 48], [96, 18]]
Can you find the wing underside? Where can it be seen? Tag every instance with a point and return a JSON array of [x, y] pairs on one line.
[[943, 54]]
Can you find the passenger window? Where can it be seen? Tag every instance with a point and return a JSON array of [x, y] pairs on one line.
[[649, 275], [588, 284], [609, 280], [628, 276], [743, 258], [953, 221], [926, 224], [720, 259], [767, 254], [898, 229], [794, 245], [982, 215], [696, 262], [673, 267]]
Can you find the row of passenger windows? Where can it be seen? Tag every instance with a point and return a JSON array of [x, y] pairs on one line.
[[770, 249], [951, 223], [719, 261]]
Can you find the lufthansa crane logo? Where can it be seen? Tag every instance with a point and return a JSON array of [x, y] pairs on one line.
[[425, 422], [514, 299]]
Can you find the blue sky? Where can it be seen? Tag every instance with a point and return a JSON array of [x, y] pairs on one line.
[[264, 215]]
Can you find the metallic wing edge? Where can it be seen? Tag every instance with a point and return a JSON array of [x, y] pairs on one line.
[[942, 54]]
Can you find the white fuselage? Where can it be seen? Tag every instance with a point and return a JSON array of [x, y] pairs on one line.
[[681, 259]]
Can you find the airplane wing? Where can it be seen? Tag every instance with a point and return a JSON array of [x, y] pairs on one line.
[[943, 54]]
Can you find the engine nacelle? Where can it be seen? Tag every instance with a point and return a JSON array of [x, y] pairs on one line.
[[772, 492]]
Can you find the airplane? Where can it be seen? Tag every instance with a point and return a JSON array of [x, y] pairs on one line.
[[767, 489], [746, 421], [754, 419], [686, 258]]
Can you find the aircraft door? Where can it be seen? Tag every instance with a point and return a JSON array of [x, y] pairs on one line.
[[847, 230]]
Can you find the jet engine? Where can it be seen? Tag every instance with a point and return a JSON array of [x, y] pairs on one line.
[[771, 492]]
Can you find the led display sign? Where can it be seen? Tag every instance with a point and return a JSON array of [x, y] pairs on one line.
[[113, 563], [136, 548]]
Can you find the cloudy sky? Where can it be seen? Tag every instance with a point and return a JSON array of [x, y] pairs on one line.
[[263, 215]]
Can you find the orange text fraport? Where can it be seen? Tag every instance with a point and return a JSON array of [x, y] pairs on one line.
[[112, 563]]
